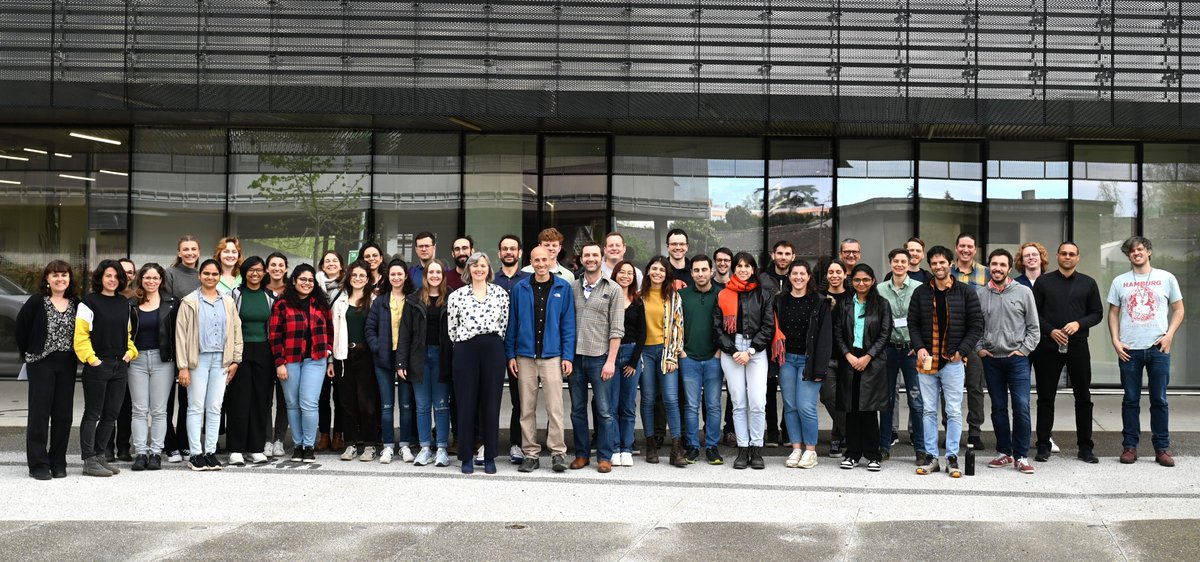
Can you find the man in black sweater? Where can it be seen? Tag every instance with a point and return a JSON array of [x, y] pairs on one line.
[[1068, 303]]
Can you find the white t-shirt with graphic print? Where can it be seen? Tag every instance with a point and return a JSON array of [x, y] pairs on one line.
[[1145, 302]]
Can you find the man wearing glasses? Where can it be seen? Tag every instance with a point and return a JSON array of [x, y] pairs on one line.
[[426, 244], [677, 249], [850, 252], [1068, 303]]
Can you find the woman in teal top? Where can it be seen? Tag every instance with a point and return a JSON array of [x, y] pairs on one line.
[[862, 327], [248, 398]]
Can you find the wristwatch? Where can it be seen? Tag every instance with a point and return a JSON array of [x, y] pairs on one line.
[[750, 351]]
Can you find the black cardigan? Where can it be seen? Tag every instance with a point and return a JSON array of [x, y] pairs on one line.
[[32, 325], [410, 345]]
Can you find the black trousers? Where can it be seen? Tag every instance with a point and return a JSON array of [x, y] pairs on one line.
[[51, 400], [119, 442], [829, 400], [514, 420], [1047, 366], [328, 413], [247, 397], [479, 386], [176, 438], [358, 393], [103, 390], [772, 427], [862, 435]]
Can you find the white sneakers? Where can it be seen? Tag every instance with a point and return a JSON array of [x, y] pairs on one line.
[[236, 459], [626, 459], [277, 448], [424, 457], [808, 459], [368, 454], [258, 458], [349, 454], [269, 449], [793, 459], [175, 457], [385, 456]]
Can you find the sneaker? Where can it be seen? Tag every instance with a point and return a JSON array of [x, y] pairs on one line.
[[835, 449], [424, 457], [310, 455], [277, 448], [1129, 455], [406, 453], [197, 463], [213, 463], [236, 459], [1002, 460], [479, 456], [928, 465], [516, 455], [558, 463], [1162, 457], [1054, 446], [849, 463], [713, 455], [154, 463], [1024, 466], [442, 458], [531, 464], [175, 457], [350, 452], [895, 439], [691, 455], [385, 456], [368, 454], [793, 459], [1043, 453], [139, 464], [952, 466], [627, 458], [808, 459], [886, 454], [874, 466], [297, 453], [269, 449], [258, 458]]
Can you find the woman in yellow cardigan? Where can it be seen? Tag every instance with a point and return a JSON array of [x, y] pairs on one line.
[[660, 356]]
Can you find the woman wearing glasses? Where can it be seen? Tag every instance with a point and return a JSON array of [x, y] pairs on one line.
[[301, 336], [862, 328]]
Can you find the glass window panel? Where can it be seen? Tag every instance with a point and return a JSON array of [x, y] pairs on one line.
[[951, 189], [874, 196], [801, 199], [1027, 195], [299, 192], [710, 187], [417, 188], [1171, 176], [501, 189], [1103, 179], [575, 190]]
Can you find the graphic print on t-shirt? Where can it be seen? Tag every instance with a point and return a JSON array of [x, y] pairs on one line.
[[1142, 304]]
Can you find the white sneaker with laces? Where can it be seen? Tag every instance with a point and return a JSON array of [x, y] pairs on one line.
[[793, 459], [406, 453], [278, 448], [258, 458], [385, 456], [424, 457], [1054, 446], [368, 454], [627, 458], [443, 457], [807, 460], [349, 454], [516, 455], [269, 449], [175, 457], [236, 459]]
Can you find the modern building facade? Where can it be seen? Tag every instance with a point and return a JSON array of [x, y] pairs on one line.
[[305, 125]]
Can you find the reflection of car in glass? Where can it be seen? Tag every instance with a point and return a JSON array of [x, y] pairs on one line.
[[12, 298]]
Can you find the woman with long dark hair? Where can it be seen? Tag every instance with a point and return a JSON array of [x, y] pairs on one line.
[[834, 274], [629, 361], [423, 360], [45, 340], [208, 349], [277, 268], [743, 326], [383, 337], [301, 336], [152, 374], [663, 345], [861, 332], [372, 254], [103, 342], [802, 347], [354, 369], [248, 397]]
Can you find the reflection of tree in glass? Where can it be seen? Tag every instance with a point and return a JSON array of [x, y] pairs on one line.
[[323, 201], [786, 200]]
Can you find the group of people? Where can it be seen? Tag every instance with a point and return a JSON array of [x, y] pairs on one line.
[[428, 347]]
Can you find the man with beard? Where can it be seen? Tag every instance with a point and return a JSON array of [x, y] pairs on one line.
[[722, 269], [966, 270], [507, 276], [426, 246], [600, 323], [774, 280], [460, 251], [677, 249]]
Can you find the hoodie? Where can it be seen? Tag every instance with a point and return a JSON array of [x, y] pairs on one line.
[[1010, 319]]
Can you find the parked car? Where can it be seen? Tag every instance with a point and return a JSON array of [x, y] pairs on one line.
[[12, 298]]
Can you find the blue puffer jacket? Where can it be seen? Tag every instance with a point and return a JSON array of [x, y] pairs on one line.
[[559, 340]]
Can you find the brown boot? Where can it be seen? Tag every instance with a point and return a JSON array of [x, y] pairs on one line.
[[322, 442], [650, 450], [338, 443], [677, 456]]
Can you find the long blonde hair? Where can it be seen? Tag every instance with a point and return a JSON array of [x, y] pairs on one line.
[[440, 300]]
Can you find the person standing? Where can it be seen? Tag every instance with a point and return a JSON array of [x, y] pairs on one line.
[[722, 268], [422, 361], [248, 396], [510, 273], [330, 276], [775, 281], [208, 349], [275, 283], [540, 346], [119, 444], [460, 250], [944, 325], [425, 243], [677, 249], [1010, 333], [862, 329], [898, 291], [1032, 261], [183, 278], [623, 397], [551, 240], [836, 280], [1145, 310], [1068, 304], [228, 256], [661, 352], [600, 319], [104, 343], [802, 347], [354, 370], [966, 271], [301, 336], [699, 367], [476, 316], [915, 248], [614, 253], [152, 373], [743, 327], [371, 254], [45, 337], [383, 339]]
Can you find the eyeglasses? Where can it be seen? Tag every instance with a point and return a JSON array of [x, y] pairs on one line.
[[851, 252], [1069, 254], [858, 281], [306, 280], [255, 270]]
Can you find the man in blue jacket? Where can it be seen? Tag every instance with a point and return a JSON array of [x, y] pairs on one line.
[[540, 345]]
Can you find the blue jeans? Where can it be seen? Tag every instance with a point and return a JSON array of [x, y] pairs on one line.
[[587, 370], [623, 400], [1007, 376], [697, 375], [1158, 373], [206, 393], [900, 360], [655, 381], [948, 383], [432, 395], [389, 405], [302, 391], [799, 400]]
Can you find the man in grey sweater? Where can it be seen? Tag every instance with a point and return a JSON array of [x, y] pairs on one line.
[[1011, 332]]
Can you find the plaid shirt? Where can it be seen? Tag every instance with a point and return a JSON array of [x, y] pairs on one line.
[[978, 276], [600, 318], [291, 331]]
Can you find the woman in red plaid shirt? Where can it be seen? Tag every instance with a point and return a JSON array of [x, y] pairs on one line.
[[301, 334]]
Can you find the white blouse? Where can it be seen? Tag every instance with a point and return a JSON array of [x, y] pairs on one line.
[[468, 317]]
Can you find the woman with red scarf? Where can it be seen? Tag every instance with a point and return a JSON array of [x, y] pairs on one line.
[[743, 326]]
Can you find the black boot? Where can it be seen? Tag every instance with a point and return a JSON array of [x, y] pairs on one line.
[[756, 460], [650, 450], [743, 458]]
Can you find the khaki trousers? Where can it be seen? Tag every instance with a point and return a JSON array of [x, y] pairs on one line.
[[548, 372]]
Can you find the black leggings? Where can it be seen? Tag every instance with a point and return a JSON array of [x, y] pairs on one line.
[[862, 435], [358, 395]]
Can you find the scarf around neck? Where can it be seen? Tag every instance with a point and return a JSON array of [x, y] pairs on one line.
[[728, 300]]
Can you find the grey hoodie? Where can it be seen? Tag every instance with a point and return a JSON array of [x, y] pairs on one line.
[[1010, 320]]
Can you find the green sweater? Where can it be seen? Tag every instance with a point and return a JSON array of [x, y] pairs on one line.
[[698, 321], [255, 313]]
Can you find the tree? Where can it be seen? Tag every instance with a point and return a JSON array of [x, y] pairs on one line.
[[740, 218], [324, 200]]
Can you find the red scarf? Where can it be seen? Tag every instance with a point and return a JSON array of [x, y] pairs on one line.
[[728, 300]]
